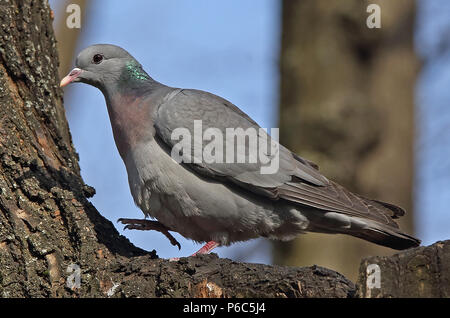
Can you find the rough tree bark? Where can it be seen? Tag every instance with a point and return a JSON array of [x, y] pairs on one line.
[[419, 272], [347, 104]]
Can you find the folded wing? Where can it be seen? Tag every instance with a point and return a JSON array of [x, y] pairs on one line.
[[296, 180]]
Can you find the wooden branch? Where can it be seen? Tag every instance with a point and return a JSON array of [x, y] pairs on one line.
[[418, 272], [210, 276]]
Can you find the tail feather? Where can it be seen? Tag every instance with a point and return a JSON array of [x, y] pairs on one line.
[[379, 233], [386, 236]]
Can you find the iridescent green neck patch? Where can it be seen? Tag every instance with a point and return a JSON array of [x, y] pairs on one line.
[[135, 71]]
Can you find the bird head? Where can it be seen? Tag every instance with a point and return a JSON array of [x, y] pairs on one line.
[[100, 64]]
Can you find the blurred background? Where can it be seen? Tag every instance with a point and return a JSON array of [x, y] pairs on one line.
[[370, 106]]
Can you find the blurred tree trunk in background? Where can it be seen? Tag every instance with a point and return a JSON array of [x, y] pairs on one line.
[[347, 104], [67, 48]]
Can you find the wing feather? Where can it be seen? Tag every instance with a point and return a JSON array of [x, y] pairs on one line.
[[297, 180]]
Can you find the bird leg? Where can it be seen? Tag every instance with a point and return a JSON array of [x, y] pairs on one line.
[[208, 247], [147, 225]]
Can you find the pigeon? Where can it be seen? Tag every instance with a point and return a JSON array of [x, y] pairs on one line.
[[230, 191]]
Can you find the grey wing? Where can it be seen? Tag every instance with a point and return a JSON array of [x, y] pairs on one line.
[[295, 179], [213, 112]]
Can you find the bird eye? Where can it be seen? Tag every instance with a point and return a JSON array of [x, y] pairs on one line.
[[97, 58]]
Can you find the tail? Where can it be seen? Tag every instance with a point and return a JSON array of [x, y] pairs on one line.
[[386, 236], [333, 209]]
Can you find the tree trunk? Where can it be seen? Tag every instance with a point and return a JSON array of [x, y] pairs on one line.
[[53, 242], [347, 105], [46, 221], [419, 272]]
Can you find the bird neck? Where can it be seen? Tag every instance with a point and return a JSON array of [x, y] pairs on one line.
[[132, 80], [134, 72]]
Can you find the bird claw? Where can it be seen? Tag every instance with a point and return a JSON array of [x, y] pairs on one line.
[[129, 227], [147, 225]]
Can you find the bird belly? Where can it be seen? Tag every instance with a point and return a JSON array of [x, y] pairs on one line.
[[200, 209]]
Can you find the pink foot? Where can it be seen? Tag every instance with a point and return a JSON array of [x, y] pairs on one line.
[[208, 247]]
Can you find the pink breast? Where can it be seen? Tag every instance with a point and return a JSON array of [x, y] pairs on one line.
[[130, 121]]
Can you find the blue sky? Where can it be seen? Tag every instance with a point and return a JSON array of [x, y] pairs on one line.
[[432, 181], [231, 48]]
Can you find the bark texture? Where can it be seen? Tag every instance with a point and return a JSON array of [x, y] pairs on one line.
[[419, 272], [347, 104], [46, 221]]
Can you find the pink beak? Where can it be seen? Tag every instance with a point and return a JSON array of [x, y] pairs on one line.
[[71, 77]]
